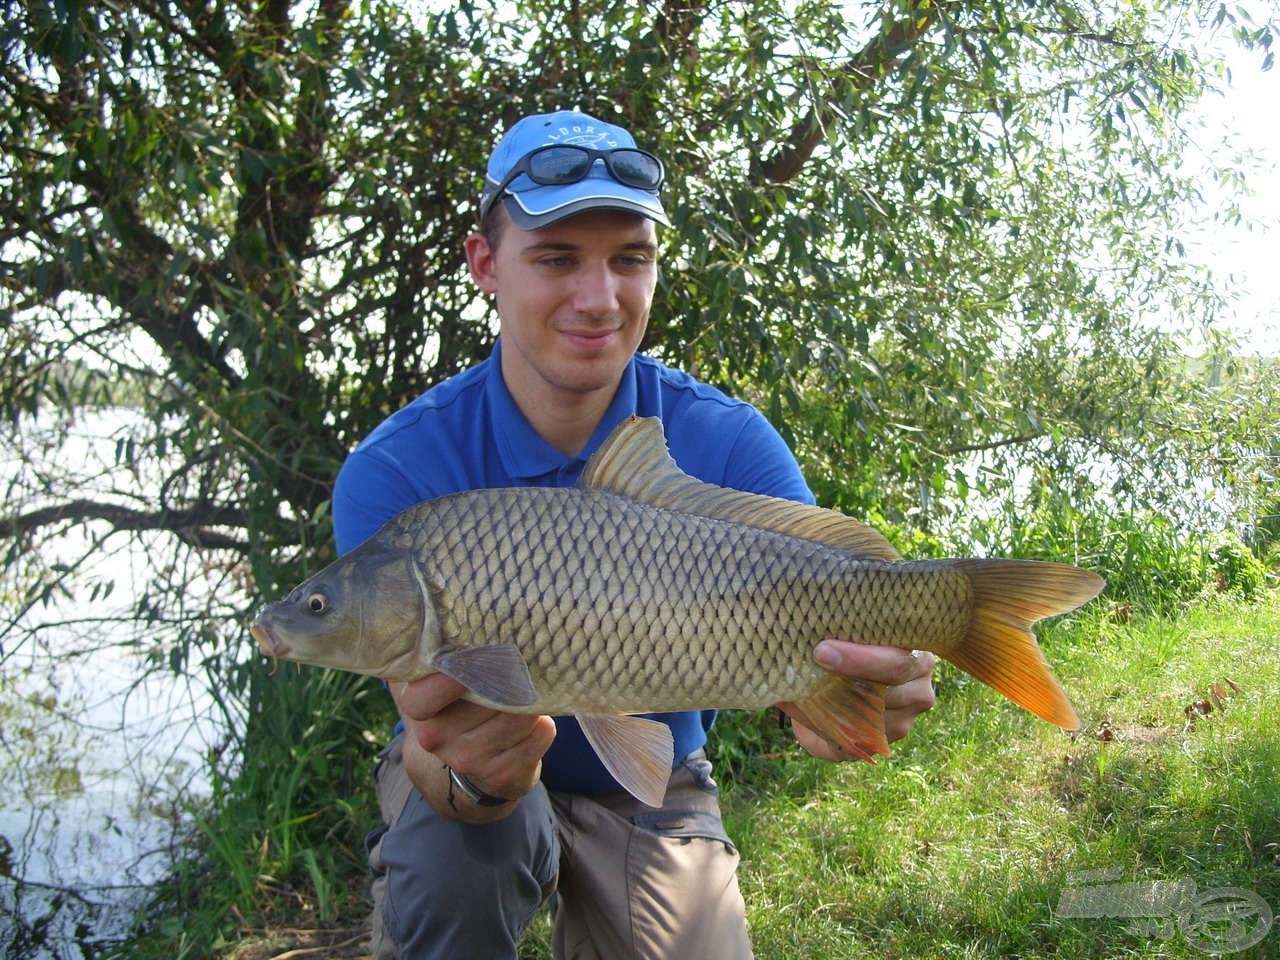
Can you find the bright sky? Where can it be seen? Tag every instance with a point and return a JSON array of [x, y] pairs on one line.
[[1247, 257]]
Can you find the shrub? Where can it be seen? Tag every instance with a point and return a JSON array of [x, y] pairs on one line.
[[1236, 569]]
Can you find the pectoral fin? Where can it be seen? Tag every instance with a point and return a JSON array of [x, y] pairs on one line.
[[497, 672], [637, 752]]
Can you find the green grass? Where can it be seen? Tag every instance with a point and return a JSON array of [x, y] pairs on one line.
[[962, 844], [279, 844]]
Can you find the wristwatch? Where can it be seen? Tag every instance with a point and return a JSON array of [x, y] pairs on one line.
[[469, 790]]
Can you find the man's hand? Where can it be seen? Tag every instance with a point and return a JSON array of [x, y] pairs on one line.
[[907, 676], [501, 753]]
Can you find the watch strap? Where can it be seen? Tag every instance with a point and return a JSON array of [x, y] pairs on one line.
[[468, 789]]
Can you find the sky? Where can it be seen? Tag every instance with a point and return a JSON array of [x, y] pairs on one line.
[[1247, 257]]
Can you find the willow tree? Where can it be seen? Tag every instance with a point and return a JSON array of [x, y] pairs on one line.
[[910, 231]]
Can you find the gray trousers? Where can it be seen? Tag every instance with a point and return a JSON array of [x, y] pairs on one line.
[[633, 882]]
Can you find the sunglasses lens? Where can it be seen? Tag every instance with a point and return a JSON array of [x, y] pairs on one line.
[[635, 169], [558, 165]]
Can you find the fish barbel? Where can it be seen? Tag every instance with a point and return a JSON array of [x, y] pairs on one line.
[[644, 590]]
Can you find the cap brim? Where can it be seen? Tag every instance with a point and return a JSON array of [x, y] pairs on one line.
[[543, 206]]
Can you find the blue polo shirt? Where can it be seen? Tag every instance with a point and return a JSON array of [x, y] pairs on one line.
[[467, 433]]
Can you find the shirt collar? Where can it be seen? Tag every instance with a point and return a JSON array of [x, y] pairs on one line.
[[528, 457]]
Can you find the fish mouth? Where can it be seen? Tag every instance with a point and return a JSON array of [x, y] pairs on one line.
[[268, 643]]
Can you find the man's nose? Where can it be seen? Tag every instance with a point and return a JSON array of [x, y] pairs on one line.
[[596, 290]]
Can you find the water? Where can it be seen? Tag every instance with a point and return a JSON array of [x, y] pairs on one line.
[[100, 766], [102, 746]]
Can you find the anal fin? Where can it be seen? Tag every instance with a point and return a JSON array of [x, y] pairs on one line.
[[847, 712], [637, 752]]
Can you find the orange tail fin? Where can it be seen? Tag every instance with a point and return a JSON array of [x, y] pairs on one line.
[[1000, 649]]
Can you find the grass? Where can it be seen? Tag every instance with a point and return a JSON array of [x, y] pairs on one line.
[[960, 846], [280, 842]]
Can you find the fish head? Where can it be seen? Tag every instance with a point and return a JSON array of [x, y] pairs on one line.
[[368, 612]]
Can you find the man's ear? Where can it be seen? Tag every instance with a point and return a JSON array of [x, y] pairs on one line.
[[480, 257]]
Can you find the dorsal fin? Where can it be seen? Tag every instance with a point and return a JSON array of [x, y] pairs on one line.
[[634, 462]]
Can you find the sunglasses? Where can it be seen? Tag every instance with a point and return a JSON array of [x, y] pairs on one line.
[[560, 164]]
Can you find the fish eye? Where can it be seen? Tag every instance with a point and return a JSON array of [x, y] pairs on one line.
[[318, 603]]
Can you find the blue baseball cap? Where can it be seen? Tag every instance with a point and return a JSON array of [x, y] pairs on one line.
[[532, 205]]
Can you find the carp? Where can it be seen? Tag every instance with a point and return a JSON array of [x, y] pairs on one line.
[[643, 590]]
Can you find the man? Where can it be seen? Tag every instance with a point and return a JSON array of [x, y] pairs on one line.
[[487, 812]]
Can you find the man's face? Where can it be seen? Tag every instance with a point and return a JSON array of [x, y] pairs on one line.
[[573, 299]]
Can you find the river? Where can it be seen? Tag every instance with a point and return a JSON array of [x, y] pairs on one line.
[[103, 744], [99, 768]]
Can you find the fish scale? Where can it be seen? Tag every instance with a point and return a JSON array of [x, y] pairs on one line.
[[644, 590], [732, 616]]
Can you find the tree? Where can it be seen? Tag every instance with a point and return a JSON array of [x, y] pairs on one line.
[[913, 232]]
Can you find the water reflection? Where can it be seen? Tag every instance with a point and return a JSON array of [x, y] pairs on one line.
[[103, 728], [99, 766]]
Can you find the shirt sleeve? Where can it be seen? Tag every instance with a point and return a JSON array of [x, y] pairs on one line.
[[367, 493], [761, 462]]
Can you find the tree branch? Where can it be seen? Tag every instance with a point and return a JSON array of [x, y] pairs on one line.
[[872, 63], [677, 28], [992, 444], [189, 525], [309, 177], [141, 260]]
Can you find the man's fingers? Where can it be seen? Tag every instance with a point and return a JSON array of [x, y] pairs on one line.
[[471, 747], [915, 693], [889, 666], [423, 698], [905, 675], [503, 754], [513, 771], [816, 743]]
